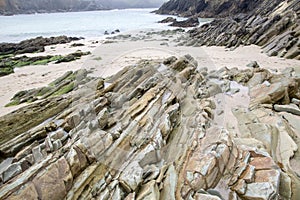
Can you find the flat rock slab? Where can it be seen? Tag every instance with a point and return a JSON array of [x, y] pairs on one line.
[[292, 108]]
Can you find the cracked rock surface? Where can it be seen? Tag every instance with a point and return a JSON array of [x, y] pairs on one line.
[[158, 130]]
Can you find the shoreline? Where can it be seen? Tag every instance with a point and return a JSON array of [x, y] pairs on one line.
[[108, 56]]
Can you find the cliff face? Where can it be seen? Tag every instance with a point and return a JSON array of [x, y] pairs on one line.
[[208, 8], [8, 7]]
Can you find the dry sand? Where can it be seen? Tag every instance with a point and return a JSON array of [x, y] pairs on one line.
[[108, 59]]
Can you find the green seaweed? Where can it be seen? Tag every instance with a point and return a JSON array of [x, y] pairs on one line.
[[15, 102], [44, 91], [4, 56], [64, 90], [46, 61], [6, 71]]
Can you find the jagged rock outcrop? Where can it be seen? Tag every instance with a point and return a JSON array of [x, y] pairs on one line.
[[212, 8], [275, 28], [190, 22], [149, 132]]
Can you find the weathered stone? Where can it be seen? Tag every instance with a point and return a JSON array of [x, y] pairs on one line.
[[37, 154], [27, 191], [13, 170], [240, 187], [248, 174], [132, 176], [50, 182], [26, 151], [149, 192], [169, 185], [253, 64], [292, 108], [285, 187], [57, 144], [263, 163], [260, 191], [150, 173], [270, 176], [5, 164], [76, 160], [103, 118], [213, 178]]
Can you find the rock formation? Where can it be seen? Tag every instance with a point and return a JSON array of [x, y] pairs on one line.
[[34, 45], [211, 8], [10, 58], [275, 27], [190, 22], [151, 132]]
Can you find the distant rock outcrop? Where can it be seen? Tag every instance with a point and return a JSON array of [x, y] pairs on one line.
[[34, 45], [190, 22], [208, 8], [277, 31], [10, 7], [274, 25]]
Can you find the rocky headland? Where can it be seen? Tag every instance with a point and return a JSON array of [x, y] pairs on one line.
[[273, 25]]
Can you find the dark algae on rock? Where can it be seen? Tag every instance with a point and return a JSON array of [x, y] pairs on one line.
[[63, 85], [9, 58], [8, 64], [34, 45]]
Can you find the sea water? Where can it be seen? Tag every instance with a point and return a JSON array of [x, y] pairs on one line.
[[80, 24]]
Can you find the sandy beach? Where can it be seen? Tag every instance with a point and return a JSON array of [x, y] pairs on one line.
[[109, 56]]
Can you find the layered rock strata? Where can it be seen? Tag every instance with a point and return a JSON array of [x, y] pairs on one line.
[[276, 30], [149, 132]]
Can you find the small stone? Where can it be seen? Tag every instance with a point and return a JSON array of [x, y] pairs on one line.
[[292, 108], [271, 176], [262, 191], [103, 118], [296, 101], [57, 145], [253, 64], [12, 171], [5, 164], [37, 154]]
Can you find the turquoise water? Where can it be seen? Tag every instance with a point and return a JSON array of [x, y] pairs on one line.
[[85, 24]]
